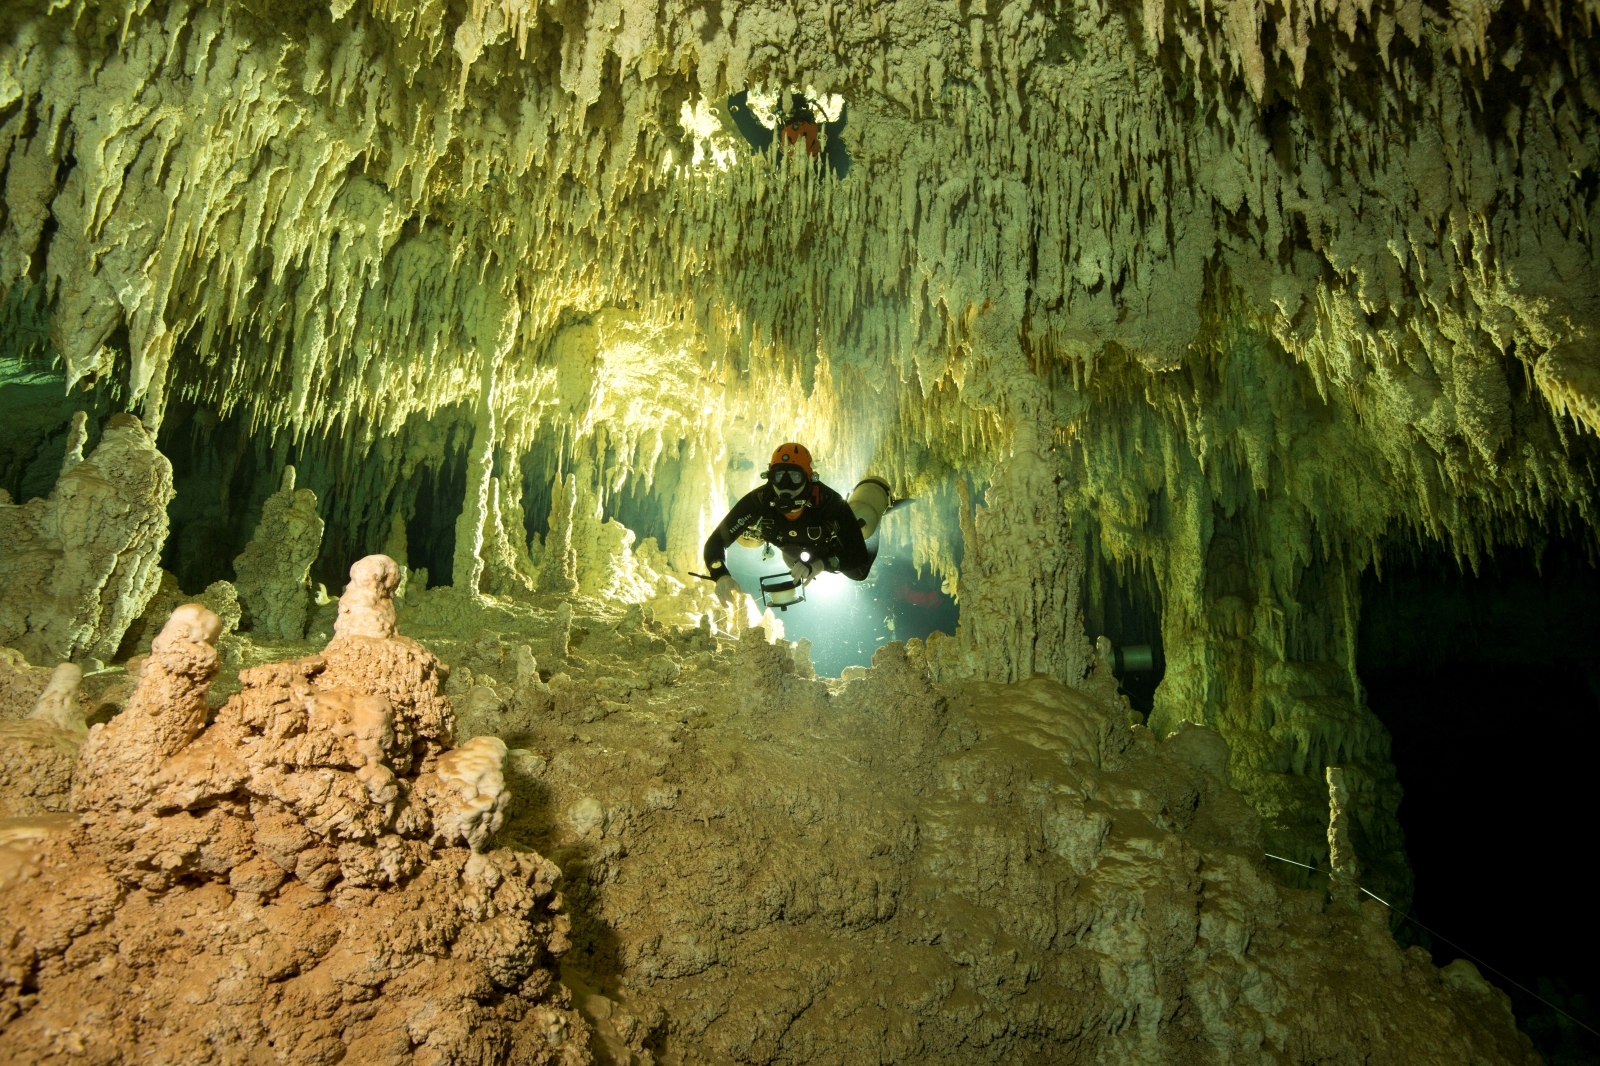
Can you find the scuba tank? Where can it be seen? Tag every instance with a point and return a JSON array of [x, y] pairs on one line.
[[869, 500]]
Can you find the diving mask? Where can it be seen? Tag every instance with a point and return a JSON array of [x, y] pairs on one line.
[[788, 482]]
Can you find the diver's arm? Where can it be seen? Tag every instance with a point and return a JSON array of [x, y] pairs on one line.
[[851, 552], [745, 514]]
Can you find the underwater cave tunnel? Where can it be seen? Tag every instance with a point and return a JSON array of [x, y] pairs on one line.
[[1487, 679], [1123, 604], [1103, 296], [223, 471]]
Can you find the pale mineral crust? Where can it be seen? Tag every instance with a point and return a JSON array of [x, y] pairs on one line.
[[310, 875]]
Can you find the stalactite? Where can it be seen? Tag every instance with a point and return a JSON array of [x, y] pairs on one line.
[[1221, 294], [1310, 275]]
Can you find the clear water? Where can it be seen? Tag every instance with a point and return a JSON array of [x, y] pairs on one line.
[[846, 621]]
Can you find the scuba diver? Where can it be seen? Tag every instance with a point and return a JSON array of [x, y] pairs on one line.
[[800, 123], [802, 126], [814, 527]]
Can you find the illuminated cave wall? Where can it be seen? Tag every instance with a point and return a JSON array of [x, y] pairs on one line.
[[1216, 298]]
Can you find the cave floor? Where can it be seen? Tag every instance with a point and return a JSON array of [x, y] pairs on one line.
[[766, 867]]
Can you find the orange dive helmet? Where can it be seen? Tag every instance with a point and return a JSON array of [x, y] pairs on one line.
[[792, 454], [790, 471]]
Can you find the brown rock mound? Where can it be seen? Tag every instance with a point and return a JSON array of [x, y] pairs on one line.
[[306, 879], [37, 754], [21, 685]]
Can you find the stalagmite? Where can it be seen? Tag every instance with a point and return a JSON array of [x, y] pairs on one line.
[[558, 564], [321, 852], [221, 598], [77, 436], [1345, 868], [79, 566], [37, 753], [273, 570], [527, 665], [395, 547], [367, 607], [59, 703], [561, 632], [1178, 320]]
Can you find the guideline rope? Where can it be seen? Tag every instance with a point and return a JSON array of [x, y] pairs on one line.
[[1458, 947]]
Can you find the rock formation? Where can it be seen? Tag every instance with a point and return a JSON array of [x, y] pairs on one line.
[[765, 869], [272, 572], [1211, 305], [21, 685], [314, 867], [38, 753], [558, 568], [59, 704], [37, 758], [221, 598], [79, 566]]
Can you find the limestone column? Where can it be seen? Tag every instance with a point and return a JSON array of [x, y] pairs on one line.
[[467, 568], [497, 331], [1345, 869], [1021, 571], [558, 566]]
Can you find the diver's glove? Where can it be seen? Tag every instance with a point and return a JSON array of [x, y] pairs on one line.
[[802, 571], [728, 589]]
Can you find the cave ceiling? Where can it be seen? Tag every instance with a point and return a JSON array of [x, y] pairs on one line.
[[341, 215], [1236, 295]]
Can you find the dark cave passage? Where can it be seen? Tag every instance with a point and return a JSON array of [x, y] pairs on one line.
[[224, 471], [1125, 608], [1487, 684], [431, 530]]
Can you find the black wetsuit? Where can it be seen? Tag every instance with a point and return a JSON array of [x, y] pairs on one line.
[[826, 528]]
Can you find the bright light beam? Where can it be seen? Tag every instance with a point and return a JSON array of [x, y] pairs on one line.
[[846, 621]]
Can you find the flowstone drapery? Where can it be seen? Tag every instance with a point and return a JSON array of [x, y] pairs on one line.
[[79, 566]]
